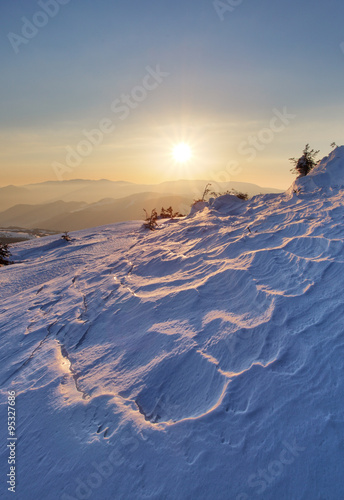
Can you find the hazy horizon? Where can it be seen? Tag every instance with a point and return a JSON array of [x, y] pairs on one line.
[[132, 182], [81, 203]]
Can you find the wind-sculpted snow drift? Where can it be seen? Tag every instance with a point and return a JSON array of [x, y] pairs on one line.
[[203, 360]]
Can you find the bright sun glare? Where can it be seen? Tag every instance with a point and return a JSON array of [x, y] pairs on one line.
[[182, 152]]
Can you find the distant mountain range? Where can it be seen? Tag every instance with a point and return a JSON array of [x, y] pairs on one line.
[[80, 204], [71, 216]]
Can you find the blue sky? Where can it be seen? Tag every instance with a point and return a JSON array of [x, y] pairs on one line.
[[226, 79]]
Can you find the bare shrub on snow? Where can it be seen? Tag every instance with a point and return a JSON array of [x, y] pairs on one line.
[[4, 255], [66, 236]]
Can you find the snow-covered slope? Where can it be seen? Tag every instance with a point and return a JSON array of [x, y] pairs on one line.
[[203, 360], [329, 173]]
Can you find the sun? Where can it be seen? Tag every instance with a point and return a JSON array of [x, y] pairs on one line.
[[182, 152]]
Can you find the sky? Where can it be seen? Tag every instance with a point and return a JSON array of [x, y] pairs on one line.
[[104, 89]]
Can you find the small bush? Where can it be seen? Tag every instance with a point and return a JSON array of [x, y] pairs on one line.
[[205, 193], [151, 220], [169, 214], [4, 255], [306, 163], [240, 195], [233, 192], [66, 236]]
